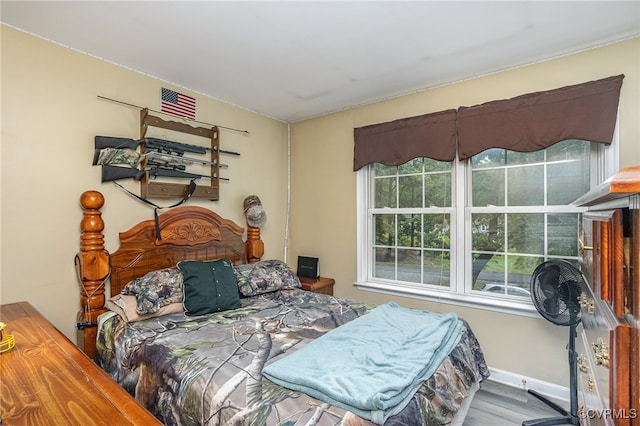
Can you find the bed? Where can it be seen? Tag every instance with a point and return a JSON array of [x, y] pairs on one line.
[[216, 363]]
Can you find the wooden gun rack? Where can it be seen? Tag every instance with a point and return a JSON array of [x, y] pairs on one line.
[[153, 189]]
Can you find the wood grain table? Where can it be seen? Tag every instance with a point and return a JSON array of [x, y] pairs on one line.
[[46, 380]]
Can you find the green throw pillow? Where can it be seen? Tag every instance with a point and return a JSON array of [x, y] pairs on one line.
[[209, 286]]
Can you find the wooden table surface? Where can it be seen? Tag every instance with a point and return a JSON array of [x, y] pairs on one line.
[[46, 380]]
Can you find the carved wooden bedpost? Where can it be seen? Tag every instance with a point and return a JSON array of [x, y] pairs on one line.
[[92, 264], [254, 245], [256, 217]]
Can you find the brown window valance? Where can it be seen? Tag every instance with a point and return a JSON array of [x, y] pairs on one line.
[[396, 142], [538, 120], [525, 123]]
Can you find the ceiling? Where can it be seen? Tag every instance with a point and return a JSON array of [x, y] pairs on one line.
[[295, 60]]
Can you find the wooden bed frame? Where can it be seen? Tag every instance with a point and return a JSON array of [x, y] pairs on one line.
[[187, 232]]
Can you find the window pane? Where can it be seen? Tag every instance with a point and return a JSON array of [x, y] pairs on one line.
[[568, 176], [487, 268], [488, 187], [410, 191], [382, 170], [385, 192], [487, 240], [525, 186], [411, 167], [563, 230], [571, 149], [507, 289], [437, 233], [487, 232], [495, 157], [385, 229], [567, 181], [515, 158], [520, 269], [437, 166], [525, 233], [409, 230], [384, 263], [437, 188], [409, 262], [419, 254], [492, 278], [436, 268]]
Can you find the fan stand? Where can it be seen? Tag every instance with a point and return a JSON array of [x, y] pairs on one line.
[[567, 417]]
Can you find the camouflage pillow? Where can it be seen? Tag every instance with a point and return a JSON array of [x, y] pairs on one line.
[[156, 289], [264, 277]]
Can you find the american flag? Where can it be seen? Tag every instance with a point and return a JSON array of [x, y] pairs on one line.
[[178, 104]]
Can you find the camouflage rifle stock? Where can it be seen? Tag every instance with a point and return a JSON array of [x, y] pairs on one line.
[[132, 158], [160, 145]]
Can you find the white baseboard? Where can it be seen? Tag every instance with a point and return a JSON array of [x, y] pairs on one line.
[[507, 378]]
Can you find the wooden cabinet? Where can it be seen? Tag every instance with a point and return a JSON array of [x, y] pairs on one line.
[[47, 380], [320, 285], [609, 349]]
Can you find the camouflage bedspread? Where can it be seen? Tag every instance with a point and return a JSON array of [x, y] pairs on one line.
[[206, 370]]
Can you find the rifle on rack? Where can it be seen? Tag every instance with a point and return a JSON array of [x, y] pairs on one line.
[[160, 145], [132, 158], [151, 163], [110, 173]]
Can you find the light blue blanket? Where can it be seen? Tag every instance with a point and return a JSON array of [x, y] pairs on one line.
[[374, 364]]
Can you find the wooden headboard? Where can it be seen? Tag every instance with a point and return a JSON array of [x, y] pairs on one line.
[[193, 233], [187, 232]]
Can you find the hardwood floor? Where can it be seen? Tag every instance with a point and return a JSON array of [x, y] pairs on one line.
[[499, 405]]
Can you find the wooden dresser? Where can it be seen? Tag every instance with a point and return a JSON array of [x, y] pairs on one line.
[[46, 380], [609, 345]]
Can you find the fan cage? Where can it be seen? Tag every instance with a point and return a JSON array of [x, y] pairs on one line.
[[556, 286]]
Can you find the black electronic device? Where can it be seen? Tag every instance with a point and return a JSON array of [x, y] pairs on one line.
[[308, 267]]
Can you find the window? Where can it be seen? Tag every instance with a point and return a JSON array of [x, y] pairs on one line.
[[411, 219], [520, 212], [472, 231], [473, 199]]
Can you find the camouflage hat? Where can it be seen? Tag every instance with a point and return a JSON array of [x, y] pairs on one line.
[[251, 200], [255, 214]]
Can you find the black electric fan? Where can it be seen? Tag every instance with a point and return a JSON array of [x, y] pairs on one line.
[[556, 286]]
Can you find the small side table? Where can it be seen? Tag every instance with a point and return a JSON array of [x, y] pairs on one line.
[[320, 285]]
